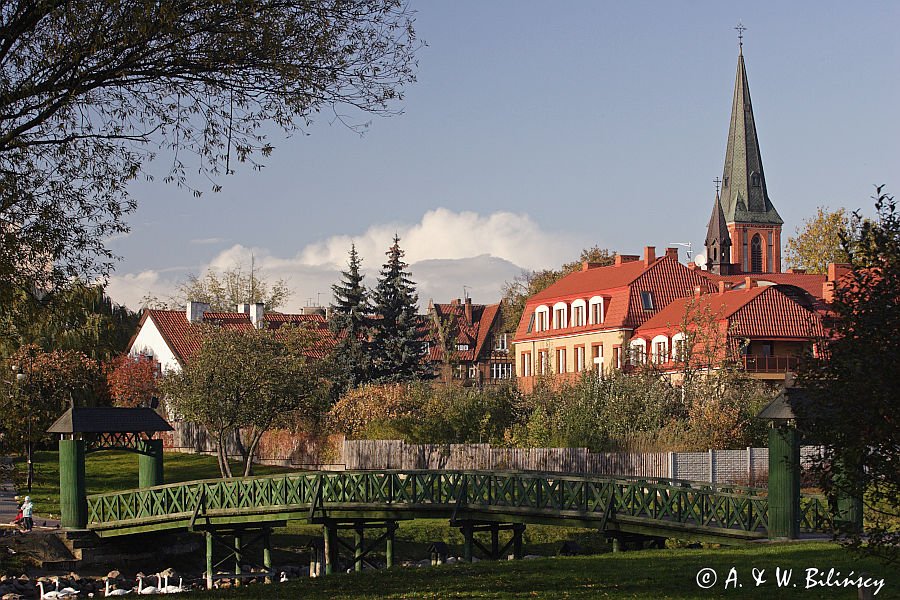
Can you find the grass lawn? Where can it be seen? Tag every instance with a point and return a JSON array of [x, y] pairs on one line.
[[649, 574], [108, 471]]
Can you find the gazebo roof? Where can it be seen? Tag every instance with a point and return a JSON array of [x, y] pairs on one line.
[[109, 420], [780, 409]]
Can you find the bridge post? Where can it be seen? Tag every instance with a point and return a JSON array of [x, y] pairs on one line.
[[784, 482], [209, 560], [267, 553], [518, 530], [495, 541], [359, 542], [468, 531], [389, 544], [150, 463], [329, 536], [237, 557], [72, 491]]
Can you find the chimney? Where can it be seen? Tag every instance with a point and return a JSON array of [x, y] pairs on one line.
[[698, 291], [621, 259], [195, 311], [724, 286], [692, 266], [649, 255], [672, 253], [257, 314], [749, 283], [468, 310], [243, 308]]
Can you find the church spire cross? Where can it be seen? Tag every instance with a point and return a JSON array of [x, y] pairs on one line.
[[717, 181], [740, 29]]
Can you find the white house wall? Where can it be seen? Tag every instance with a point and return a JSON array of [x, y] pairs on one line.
[[150, 341]]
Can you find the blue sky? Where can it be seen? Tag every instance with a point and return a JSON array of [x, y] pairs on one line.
[[536, 129]]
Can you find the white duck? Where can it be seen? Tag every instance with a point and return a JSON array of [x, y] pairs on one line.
[[283, 577], [51, 595], [118, 592]]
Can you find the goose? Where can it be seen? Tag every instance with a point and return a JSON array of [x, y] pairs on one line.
[[283, 577], [149, 589], [51, 595], [110, 592]]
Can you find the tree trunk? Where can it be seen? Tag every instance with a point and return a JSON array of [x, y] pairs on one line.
[[223, 455], [254, 443]]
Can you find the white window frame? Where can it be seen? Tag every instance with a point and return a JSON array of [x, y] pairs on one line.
[[501, 342], [542, 318], [598, 360], [501, 371], [637, 352], [679, 337], [543, 362], [526, 364], [579, 358], [580, 303], [657, 358], [561, 366], [597, 301], [560, 322]]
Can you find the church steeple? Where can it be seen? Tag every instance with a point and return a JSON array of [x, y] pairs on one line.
[[745, 198], [718, 241], [753, 223]]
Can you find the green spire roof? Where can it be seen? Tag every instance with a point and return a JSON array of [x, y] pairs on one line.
[[744, 195]]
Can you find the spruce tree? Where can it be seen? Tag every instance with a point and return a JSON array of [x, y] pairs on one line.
[[397, 340], [352, 364]]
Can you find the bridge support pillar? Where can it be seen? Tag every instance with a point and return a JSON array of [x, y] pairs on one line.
[[267, 554], [617, 544], [150, 464], [209, 560], [848, 501], [329, 535], [72, 491], [237, 558], [359, 540], [493, 551], [360, 548], [784, 482]]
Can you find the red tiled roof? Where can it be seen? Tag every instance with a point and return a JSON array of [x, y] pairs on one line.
[[474, 334], [761, 312], [183, 339], [620, 286], [810, 282]]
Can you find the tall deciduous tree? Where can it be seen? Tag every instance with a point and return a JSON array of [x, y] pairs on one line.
[[39, 387], [397, 335], [245, 382], [90, 90], [851, 405], [224, 291], [132, 381], [351, 363], [818, 241]]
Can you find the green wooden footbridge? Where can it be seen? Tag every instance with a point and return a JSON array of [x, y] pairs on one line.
[[240, 511]]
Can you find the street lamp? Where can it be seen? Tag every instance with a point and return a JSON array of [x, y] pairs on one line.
[[21, 377]]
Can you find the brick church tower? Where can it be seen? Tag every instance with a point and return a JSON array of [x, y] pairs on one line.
[[744, 232]]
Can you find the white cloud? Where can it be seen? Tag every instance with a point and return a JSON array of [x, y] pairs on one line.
[[446, 250]]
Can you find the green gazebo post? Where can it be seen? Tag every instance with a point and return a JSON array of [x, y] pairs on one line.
[[85, 430], [784, 467]]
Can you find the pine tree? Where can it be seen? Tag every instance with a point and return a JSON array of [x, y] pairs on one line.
[[352, 364], [397, 341]]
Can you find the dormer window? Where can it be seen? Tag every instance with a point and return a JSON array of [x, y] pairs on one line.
[[560, 315], [647, 300], [462, 347], [596, 310], [754, 179], [501, 343], [541, 318]]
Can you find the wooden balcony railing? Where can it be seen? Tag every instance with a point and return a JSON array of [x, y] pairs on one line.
[[769, 364]]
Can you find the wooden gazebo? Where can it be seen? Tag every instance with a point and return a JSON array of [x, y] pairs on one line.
[[85, 430]]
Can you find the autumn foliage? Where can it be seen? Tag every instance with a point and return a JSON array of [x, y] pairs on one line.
[[132, 381]]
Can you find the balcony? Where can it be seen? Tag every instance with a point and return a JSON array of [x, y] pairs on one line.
[[769, 364]]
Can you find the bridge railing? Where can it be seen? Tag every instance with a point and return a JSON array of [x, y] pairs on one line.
[[704, 506]]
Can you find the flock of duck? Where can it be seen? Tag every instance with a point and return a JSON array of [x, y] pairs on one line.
[[162, 587]]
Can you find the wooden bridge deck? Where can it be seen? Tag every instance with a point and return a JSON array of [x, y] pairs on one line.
[[660, 507]]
